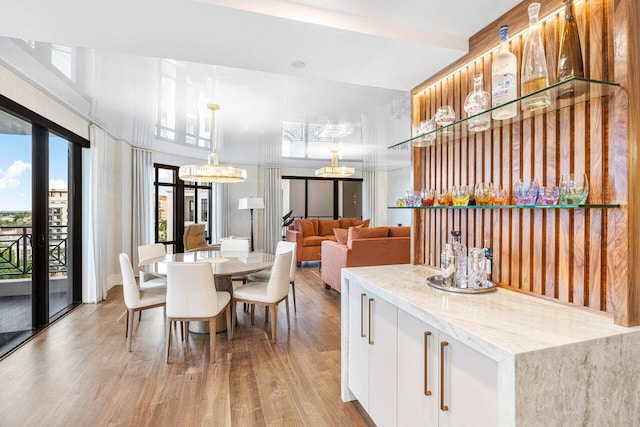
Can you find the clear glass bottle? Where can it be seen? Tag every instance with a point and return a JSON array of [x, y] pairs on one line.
[[478, 101], [534, 65], [570, 62], [504, 72], [460, 253]]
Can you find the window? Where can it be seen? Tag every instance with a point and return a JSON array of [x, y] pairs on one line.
[[179, 204], [332, 198]]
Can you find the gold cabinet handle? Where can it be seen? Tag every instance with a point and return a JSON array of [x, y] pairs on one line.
[[443, 407], [371, 300], [362, 298], [427, 392]]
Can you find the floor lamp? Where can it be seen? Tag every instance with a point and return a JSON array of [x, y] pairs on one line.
[[251, 203]]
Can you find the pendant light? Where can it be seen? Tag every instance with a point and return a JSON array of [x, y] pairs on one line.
[[335, 171], [212, 172]]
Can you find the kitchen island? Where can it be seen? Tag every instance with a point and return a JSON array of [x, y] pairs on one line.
[[414, 355]]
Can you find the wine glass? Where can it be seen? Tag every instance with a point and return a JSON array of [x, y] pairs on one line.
[[574, 189]]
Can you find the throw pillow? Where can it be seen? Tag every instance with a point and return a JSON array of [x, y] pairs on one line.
[[359, 223], [326, 226], [346, 222], [341, 235], [366, 233], [306, 227]]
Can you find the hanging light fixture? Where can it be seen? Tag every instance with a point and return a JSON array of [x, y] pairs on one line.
[[212, 172], [335, 171]]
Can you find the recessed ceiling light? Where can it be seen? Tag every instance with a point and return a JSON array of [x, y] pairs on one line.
[[298, 64]]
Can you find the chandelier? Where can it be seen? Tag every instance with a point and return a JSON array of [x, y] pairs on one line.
[[334, 171], [212, 172]]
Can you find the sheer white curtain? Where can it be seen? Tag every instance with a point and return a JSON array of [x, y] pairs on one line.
[[369, 175], [272, 208], [142, 233], [95, 278]]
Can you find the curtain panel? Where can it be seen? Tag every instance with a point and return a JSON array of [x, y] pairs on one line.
[[95, 280], [272, 231], [142, 195]]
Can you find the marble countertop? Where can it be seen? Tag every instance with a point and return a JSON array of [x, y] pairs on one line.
[[499, 324]]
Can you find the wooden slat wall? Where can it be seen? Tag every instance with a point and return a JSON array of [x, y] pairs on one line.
[[573, 256]]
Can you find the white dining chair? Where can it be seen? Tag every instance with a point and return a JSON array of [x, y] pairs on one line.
[[268, 294], [136, 299], [265, 275], [148, 254], [234, 245], [192, 296], [235, 248]]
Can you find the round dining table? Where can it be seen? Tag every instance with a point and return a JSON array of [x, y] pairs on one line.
[[225, 265]]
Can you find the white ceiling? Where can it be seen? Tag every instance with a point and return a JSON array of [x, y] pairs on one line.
[[356, 52]]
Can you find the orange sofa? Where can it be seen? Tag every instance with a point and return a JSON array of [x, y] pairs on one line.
[[365, 247], [310, 233]]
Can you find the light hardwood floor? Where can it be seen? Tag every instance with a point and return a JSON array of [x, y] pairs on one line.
[[77, 372]]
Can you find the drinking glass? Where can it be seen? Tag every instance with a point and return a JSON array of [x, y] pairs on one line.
[[525, 192], [574, 189], [500, 196], [483, 194], [444, 115], [428, 197], [400, 202], [460, 195], [549, 195]]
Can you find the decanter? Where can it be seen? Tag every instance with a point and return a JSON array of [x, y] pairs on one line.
[[477, 101], [534, 76], [503, 79], [570, 55]]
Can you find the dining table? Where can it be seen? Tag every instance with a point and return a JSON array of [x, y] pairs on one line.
[[224, 264]]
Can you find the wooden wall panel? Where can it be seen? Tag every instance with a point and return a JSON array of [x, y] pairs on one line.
[[574, 256]]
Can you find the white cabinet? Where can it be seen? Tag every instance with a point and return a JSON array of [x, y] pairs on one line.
[[418, 387], [441, 381], [373, 354]]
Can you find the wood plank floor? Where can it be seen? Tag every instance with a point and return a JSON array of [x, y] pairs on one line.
[[77, 372]]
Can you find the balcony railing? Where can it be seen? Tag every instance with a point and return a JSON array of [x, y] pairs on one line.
[[16, 250]]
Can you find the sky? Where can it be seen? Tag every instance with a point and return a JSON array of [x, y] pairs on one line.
[[15, 170]]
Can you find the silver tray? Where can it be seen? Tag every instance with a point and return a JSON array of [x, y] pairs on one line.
[[438, 283]]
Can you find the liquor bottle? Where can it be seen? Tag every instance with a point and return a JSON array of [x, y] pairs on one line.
[[476, 102], [503, 79], [570, 55], [534, 65]]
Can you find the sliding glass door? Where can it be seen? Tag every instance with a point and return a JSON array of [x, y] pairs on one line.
[[16, 315], [40, 223]]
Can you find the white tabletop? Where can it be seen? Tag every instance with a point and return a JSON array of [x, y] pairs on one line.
[[223, 263]]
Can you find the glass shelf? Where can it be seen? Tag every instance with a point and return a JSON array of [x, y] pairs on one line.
[[588, 206], [585, 88]]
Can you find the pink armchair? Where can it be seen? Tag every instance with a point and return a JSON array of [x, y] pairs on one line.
[[361, 251]]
